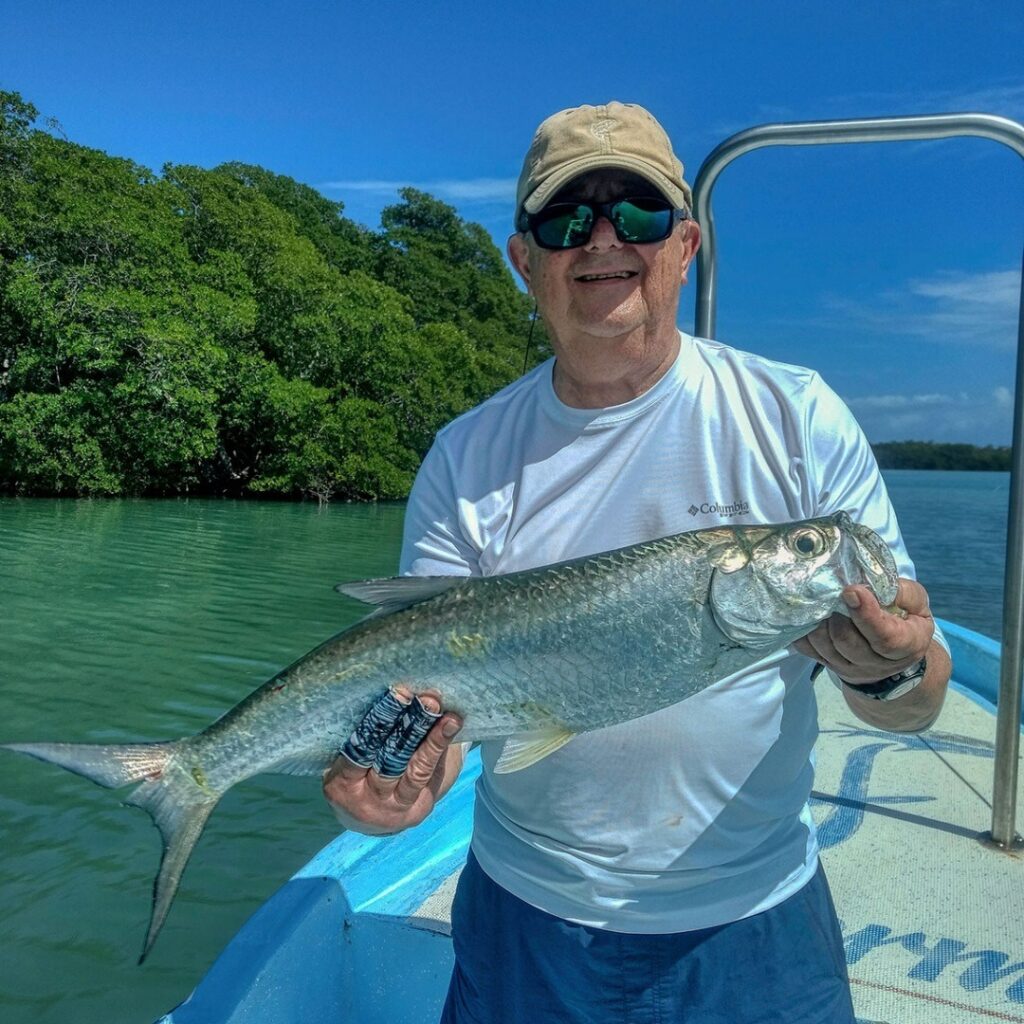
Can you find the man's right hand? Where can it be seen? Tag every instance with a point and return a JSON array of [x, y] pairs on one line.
[[367, 801]]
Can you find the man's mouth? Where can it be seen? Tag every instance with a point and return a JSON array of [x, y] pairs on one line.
[[610, 275]]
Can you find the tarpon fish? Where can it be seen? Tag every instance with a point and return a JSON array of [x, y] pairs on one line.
[[531, 658]]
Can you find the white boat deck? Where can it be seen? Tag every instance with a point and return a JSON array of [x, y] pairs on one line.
[[933, 918]]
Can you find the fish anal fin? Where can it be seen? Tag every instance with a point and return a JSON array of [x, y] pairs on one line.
[[310, 764], [519, 752], [398, 592]]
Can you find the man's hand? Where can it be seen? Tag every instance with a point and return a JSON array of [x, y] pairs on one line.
[[367, 799], [872, 644]]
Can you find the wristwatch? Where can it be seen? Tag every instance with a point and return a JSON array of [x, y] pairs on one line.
[[892, 686]]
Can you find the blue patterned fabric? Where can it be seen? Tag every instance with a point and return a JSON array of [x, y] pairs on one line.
[[515, 964], [363, 746], [404, 738], [389, 733]]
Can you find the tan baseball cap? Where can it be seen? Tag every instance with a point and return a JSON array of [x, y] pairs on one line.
[[581, 139]]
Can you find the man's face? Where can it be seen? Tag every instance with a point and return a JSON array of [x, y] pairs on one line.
[[574, 293]]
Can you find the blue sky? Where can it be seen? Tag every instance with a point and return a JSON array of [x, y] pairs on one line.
[[894, 269]]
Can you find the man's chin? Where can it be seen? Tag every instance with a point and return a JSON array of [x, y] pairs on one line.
[[612, 327], [611, 320]]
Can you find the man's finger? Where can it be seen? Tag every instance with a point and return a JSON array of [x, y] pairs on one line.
[[425, 761], [401, 743], [913, 598], [849, 641], [803, 646], [825, 651], [884, 632], [893, 638]]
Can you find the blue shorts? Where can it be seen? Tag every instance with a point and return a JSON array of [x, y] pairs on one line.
[[515, 964]]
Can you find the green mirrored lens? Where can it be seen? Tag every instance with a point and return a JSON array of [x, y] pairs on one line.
[[568, 225], [639, 220], [565, 226]]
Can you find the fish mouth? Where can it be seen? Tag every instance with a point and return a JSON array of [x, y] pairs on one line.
[[872, 562]]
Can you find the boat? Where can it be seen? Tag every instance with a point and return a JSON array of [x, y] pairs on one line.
[[925, 866], [931, 911]]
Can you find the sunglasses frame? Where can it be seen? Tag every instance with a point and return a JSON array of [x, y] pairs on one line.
[[529, 221]]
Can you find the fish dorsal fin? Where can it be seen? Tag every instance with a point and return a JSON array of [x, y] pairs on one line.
[[398, 592], [520, 752]]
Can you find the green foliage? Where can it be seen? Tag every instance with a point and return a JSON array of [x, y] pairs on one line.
[[933, 455], [230, 330], [454, 274], [343, 243], [49, 445]]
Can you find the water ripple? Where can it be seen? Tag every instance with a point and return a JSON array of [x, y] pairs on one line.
[[127, 620]]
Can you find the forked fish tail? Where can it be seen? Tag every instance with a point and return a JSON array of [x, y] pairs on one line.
[[179, 802]]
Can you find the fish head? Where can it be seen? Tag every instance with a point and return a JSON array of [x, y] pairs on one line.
[[773, 584]]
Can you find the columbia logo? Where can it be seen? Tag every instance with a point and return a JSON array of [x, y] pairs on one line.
[[735, 508]]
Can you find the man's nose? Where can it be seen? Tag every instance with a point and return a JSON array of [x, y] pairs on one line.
[[603, 236]]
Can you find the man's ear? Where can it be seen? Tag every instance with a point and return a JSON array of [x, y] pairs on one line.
[[519, 257], [691, 243]]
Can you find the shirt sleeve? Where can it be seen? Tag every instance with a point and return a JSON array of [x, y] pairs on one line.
[[844, 473], [847, 477], [433, 543]]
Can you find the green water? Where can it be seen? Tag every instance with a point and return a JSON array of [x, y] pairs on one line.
[[131, 620], [146, 620]]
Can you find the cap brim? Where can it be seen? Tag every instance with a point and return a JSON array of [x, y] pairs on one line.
[[542, 194]]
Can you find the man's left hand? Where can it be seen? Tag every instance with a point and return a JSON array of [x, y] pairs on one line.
[[872, 643]]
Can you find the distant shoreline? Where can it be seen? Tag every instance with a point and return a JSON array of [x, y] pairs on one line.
[[936, 455]]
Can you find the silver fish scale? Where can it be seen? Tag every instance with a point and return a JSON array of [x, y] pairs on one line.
[[581, 645], [576, 646]]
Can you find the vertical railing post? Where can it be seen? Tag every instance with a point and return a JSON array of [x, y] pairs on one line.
[[1004, 789]]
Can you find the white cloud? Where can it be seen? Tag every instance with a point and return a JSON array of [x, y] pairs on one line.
[[951, 307], [1006, 99], [981, 418], [994, 289], [365, 185], [898, 401], [1003, 98], [468, 190]]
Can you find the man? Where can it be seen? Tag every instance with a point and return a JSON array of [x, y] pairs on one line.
[[664, 869]]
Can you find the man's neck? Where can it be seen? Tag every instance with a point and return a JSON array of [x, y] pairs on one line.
[[595, 373]]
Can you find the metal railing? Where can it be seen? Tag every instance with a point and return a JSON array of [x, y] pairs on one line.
[[899, 129]]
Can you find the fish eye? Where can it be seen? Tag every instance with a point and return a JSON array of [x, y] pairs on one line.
[[807, 542]]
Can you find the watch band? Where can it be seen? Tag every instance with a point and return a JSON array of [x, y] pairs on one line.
[[894, 686]]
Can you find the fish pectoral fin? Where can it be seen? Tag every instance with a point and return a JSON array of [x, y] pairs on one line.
[[520, 752], [392, 595]]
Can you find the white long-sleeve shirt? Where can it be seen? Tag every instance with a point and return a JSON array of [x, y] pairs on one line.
[[697, 814]]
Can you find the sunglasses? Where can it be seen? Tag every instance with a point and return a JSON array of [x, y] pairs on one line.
[[570, 225]]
